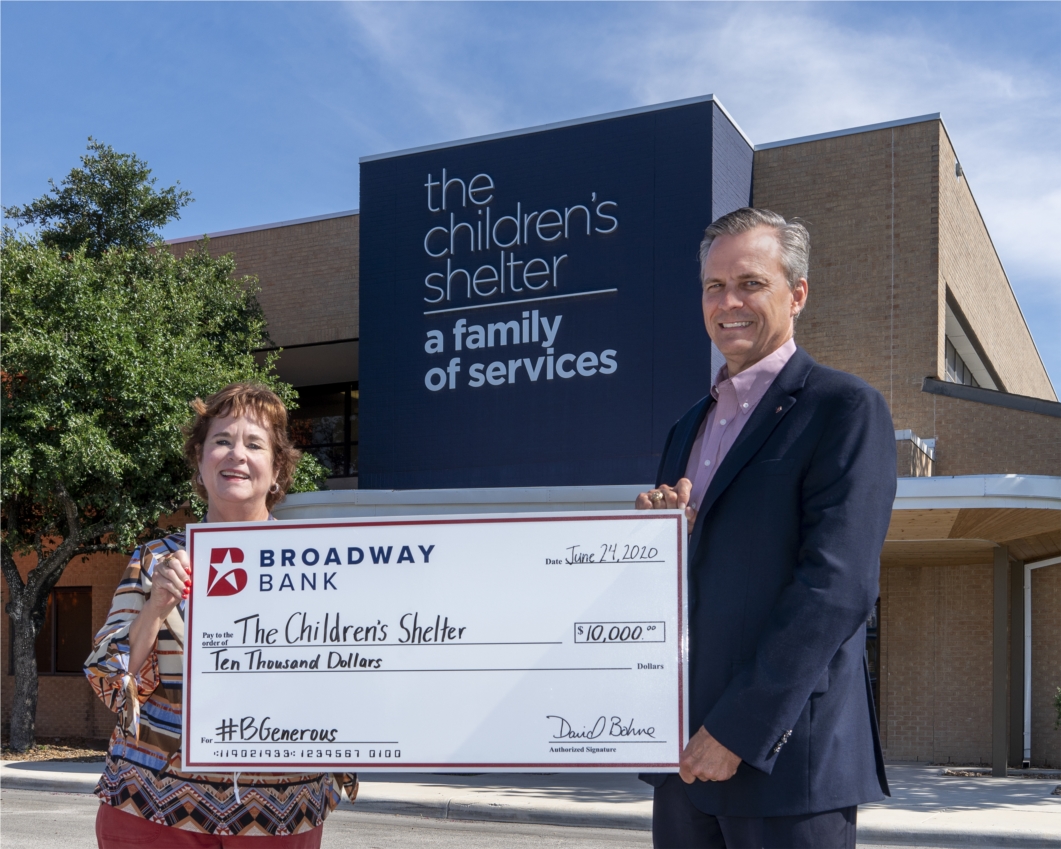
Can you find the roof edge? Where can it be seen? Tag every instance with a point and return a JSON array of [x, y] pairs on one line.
[[998, 256], [290, 223], [1040, 492], [943, 492], [573, 122], [993, 397], [868, 128]]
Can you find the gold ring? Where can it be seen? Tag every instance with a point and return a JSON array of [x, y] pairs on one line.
[[655, 496]]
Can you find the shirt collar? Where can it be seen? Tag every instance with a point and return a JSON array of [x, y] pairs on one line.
[[751, 384]]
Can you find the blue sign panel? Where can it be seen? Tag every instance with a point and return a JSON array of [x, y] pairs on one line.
[[530, 304]]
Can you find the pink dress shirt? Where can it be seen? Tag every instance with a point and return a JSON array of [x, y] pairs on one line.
[[735, 400]]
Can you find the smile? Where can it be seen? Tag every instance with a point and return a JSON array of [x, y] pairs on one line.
[[233, 475], [729, 325]]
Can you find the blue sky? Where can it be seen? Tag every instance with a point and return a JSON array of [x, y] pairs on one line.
[[262, 109]]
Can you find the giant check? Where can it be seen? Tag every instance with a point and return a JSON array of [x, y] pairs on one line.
[[537, 642]]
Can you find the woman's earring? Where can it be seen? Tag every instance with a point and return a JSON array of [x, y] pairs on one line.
[[275, 488], [199, 478]]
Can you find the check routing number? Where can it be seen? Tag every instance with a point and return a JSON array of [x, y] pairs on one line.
[[495, 643]]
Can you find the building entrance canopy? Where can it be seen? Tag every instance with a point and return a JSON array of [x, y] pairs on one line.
[[959, 521]]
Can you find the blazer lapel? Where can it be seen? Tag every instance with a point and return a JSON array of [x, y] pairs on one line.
[[773, 407], [683, 439]]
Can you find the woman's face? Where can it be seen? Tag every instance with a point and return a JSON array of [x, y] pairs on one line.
[[237, 464]]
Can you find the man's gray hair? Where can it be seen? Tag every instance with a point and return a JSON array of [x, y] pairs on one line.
[[791, 235]]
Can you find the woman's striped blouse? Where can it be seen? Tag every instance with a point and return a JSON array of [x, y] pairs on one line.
[[142, 774]]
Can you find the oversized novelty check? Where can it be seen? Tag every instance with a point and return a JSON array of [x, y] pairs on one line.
[[536, 642]]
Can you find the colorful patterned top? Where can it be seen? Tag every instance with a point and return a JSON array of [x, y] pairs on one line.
[[142, 775]]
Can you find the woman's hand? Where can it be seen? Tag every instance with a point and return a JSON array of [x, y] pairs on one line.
[[664, 497], [171, 581]]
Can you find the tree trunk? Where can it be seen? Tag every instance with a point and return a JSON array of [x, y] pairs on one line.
[[24, 703], [26, 608], [28, 604]]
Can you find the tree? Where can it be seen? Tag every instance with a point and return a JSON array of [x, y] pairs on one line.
[[104, 343], [109, 202]]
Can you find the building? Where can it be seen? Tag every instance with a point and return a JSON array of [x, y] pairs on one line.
[[907, 291]]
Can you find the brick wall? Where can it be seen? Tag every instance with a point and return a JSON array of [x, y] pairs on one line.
[[66, 704], [1046, 665], [869, 202], [890, 229], [308, 274], [970, 268], [936, 663], [981, 439]]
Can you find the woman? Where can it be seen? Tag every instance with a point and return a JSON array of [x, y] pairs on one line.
[[243, 462]]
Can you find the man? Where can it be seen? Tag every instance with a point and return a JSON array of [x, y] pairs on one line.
[[786, 472]]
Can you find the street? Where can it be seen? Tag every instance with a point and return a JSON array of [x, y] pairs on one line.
[[34, 819]]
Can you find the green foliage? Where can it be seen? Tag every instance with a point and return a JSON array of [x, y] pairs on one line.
[[100, 359], [310, 474], [110, 202], [107, 336]]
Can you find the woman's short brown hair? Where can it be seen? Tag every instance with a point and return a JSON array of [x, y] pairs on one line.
[[238, 399]]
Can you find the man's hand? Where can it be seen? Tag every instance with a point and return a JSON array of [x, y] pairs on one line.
[[707, 759], [664, 497]]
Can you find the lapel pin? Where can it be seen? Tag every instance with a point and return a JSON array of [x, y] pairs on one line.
[[778, 410]]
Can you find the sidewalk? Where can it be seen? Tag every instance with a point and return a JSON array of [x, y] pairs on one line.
[[926, 808]]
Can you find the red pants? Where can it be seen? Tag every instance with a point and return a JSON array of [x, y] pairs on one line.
[[118, 830]]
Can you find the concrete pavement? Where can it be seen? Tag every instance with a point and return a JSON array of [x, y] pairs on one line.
[[926, 808], [936, 810]]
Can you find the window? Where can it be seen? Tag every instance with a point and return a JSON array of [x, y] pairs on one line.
[[957, 370], [325, 425], [873, 654], [966, 362], [65, 639]]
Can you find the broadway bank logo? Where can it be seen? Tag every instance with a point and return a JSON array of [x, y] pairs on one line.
[[222, 582]]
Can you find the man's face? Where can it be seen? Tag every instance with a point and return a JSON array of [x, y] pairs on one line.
[[748, 304]]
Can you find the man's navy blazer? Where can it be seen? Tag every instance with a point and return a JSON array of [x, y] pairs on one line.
[[784, 569]]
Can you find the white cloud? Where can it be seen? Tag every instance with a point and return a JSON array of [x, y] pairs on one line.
[[786, 71], [782, 70], [420, 54]]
